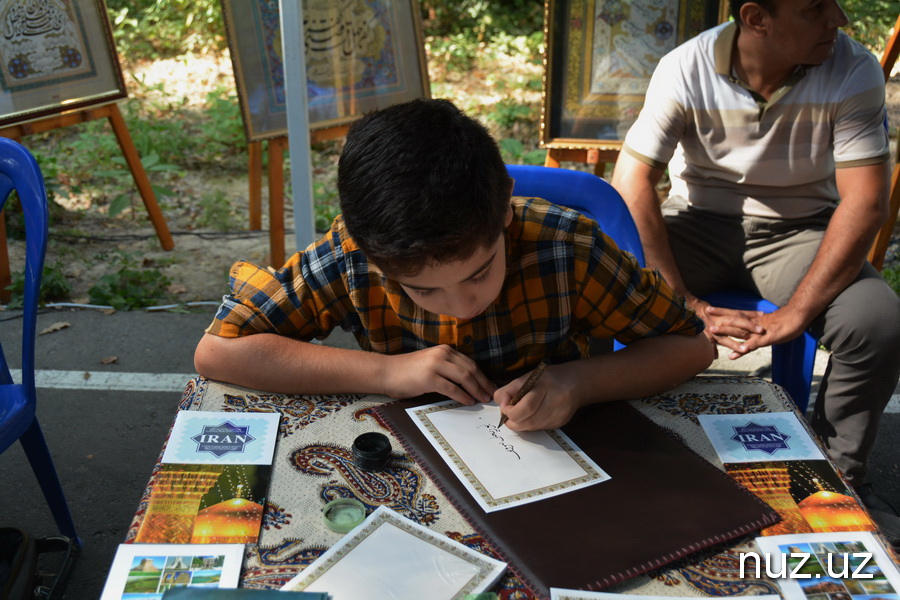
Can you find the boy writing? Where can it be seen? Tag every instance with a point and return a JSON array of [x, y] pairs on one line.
[[449, 284]]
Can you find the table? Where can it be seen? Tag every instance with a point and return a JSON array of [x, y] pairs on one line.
[[313, 464]]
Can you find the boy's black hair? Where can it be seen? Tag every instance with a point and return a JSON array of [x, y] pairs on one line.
[[735, 6], [421, 184]]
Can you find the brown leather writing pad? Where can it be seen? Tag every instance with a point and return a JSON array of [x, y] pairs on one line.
[[663, 502]]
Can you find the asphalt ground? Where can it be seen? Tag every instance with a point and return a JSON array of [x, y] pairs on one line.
[[112, 387]]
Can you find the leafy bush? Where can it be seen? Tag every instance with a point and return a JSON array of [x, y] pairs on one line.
[[870, 21], [131, 286], [54, 287], [892, 276], [150, 29]]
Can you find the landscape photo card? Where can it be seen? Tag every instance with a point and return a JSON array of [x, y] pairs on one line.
[[826, 566], [500, 467], [147, 571], [390, 556]]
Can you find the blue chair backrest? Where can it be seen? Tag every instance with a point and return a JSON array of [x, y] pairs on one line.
[[19, 171], [584, 192]]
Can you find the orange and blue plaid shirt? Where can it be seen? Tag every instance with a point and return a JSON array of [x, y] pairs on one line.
[[566, 282]]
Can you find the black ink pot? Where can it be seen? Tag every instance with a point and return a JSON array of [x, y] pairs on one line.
[[371, 451]]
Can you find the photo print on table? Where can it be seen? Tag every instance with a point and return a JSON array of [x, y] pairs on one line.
[[827, 566]]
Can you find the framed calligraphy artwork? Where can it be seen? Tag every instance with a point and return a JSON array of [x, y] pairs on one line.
[[360, 55], [599, 57], [55, 56]]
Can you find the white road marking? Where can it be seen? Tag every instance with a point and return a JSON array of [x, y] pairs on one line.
[[108, 380], [169, 382]]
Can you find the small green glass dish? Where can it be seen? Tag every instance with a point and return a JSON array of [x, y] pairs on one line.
[[343, 514]]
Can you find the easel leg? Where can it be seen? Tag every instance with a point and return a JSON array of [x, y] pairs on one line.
[[140, 178], [5, 276], [590, 156], [276, 201], [254, 150]]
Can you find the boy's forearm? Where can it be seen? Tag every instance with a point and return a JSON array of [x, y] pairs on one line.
[[644, 368], [279, 364]]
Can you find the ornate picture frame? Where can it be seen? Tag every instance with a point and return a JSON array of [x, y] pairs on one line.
[[56, 56], [599, 57], [359, 56]]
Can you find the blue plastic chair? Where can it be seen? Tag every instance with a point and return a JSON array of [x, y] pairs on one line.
[[792, 362], [18, 421], [586, 193]]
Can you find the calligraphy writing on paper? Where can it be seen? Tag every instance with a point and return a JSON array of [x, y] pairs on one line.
[[495, 433]]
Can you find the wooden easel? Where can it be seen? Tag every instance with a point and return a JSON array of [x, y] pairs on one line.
[[879, 248], [276, 148], [591, 156], [108, 111]]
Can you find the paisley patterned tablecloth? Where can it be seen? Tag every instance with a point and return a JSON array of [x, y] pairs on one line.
[[313, 465]]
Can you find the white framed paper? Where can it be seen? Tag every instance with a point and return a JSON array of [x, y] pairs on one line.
[[759, 437], [222, 438], [389, 556], [500, 467], [850, 565], [147, 571]]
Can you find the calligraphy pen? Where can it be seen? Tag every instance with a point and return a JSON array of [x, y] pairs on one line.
[[526, 387]]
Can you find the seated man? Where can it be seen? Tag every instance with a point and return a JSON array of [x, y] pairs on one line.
[[450, 286], [772, 128]]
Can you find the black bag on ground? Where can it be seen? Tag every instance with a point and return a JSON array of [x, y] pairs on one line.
[[34, 568]]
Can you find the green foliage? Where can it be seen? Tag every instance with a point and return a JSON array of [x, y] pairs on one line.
[[892, 276], [150, 29], [326, 205], [54, 287], [870, 21], [507, 112], [151, 163], [221, 129], [132, 286], [482, 19], [513, 152], [215, 212], [461, 32]]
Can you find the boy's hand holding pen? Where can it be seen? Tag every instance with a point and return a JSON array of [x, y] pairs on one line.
[[526, 387]]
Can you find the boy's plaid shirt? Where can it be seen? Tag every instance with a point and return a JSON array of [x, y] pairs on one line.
[[566, 281]]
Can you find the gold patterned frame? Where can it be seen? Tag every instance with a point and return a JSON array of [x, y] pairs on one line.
[[597, 66], [60, 59], [342, 83]]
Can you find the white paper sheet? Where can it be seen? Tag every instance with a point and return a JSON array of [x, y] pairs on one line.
[[502, 468], [389, 557], [146, 571]]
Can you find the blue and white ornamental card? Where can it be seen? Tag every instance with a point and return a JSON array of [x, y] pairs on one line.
[[759, 437], [222, 438]]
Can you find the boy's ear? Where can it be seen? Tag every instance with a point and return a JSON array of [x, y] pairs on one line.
[[509, 216]]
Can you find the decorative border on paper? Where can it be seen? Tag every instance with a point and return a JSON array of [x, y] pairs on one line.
[[593, 473], [488, 569]]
